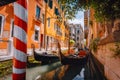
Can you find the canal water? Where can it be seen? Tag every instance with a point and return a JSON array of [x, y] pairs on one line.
[[93, 70]]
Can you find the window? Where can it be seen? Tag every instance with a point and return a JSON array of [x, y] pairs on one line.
[[1, 24], [62, 8], [12, 28], [77, 38], [78, 44], [73, 34], [48, 22], [50, 3], [43, 16], [55, 26], [36, 35], [78, 32], [38, 12], [46, 1], [47, 40], [56, 11], [58, 30]]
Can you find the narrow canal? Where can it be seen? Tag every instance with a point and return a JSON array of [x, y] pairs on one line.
[[93, 70]]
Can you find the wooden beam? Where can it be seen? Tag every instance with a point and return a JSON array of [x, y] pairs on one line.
[[5, 2]]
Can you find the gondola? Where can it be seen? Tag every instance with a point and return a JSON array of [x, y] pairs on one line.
[[44, 57], [71, 59]]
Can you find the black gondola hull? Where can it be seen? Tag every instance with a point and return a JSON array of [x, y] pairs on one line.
[[46, 58], [66, 60]]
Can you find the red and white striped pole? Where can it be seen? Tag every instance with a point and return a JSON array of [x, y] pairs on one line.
[[20, 40]]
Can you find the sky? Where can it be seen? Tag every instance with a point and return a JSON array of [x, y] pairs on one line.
[[79, 19]]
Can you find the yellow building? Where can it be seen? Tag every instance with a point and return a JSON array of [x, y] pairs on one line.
[[55, 24]]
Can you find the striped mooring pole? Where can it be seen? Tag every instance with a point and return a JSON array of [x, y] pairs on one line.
[[20, 40]]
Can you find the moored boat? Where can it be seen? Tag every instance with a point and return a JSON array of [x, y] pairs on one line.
[[44, 57], [71, 59]]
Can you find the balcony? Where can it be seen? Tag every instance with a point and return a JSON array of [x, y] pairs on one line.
[[59, 33], [38, 19]]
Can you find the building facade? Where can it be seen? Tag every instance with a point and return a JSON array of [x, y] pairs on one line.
[[55, 26], [72, 31], [86, 26], [44, 27], [108, 43], [77, 34], [6, 29]]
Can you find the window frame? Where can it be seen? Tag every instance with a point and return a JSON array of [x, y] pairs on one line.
[[50, 4], [78, 31], [46, 1], [48, 20], [78, 38], [2, 24], [37, 17], [56, 11], [12, 28], [37, 28]]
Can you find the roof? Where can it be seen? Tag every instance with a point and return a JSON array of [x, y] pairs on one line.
[[5, 2]]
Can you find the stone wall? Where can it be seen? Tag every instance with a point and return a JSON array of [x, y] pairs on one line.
[[111, 64]]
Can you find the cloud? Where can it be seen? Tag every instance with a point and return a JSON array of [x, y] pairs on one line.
[[79, 19]]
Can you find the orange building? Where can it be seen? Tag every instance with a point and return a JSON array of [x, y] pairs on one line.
[[7, 25], [44, 27], [35, 23], [6, 28]]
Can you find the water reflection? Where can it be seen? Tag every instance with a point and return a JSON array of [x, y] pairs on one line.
[[71, 72], [89, 71], [67, 72]]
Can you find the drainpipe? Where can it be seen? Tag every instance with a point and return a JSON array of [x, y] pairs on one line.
[[45, 25], [68, 40]]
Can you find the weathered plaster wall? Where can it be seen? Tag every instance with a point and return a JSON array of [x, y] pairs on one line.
[[111, 64]]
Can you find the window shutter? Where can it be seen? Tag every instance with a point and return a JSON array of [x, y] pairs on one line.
[[50, 4], [37, 12], [56, 11]]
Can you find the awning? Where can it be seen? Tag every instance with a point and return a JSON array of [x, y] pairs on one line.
[[5, 2]]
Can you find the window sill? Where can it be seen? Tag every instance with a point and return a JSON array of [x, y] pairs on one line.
[[36, 41], [39, 20]]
